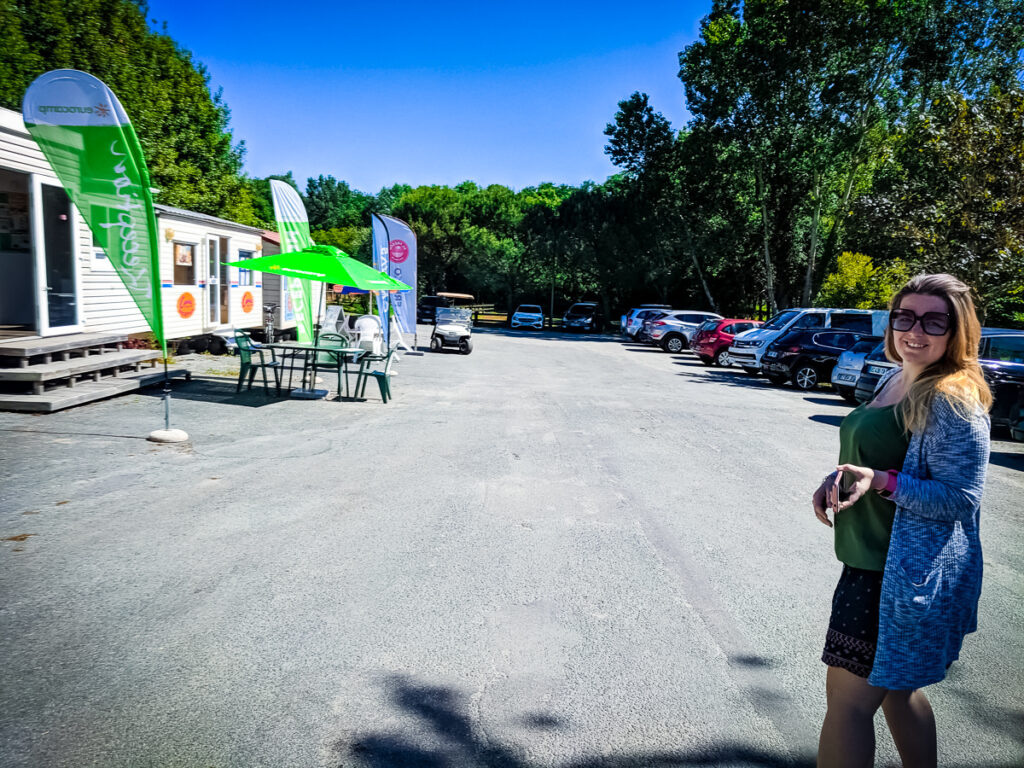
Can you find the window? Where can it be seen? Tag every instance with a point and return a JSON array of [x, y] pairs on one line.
[[812, 320], [1009, 349], [184, 264], [729, 329], [245, 275]]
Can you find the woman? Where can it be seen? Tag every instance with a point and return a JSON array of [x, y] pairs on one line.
[[906, 499]]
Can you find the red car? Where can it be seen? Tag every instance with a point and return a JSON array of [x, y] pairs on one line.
[[711, 340]]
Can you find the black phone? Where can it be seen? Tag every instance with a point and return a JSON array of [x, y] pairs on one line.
[[845, 487]]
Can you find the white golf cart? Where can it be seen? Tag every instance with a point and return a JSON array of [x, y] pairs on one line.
[[452, 328]]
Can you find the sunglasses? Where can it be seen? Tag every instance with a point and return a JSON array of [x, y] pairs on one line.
[[932, 323]]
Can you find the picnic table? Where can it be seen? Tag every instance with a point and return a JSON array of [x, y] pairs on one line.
[[310, 354]]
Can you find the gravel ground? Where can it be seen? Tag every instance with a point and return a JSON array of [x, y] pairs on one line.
[[557, 551]]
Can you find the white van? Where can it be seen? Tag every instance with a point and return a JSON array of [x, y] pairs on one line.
[[748, 347]]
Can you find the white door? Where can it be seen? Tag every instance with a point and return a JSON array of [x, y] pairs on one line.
[[213, 281], [55, 249]]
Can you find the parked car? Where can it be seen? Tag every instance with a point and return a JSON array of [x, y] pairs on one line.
[[674, 331], [1002, 359], [635, 317], [528, 316], [644, 334], [712, 338], [583, 316], [849, 366], [876, 364], [748, 347], [426, 307], [1001, 354], [806, 357]]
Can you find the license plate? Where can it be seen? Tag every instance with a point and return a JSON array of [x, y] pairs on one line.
[[845, 377], [876, 370], [770, 355]]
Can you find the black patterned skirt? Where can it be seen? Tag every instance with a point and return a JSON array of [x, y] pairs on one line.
[[853, 628]]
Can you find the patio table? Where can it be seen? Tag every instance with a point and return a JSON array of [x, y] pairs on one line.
[[312, 351]]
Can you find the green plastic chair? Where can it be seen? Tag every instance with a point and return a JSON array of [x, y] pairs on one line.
[[246, 350], [327, 360], [383, 377]]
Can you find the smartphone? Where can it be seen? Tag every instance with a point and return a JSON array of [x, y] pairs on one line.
[[845, 487]]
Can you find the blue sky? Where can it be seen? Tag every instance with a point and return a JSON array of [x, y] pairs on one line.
[[434, 93]]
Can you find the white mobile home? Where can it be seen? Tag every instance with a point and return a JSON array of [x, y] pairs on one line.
[[54, 281]]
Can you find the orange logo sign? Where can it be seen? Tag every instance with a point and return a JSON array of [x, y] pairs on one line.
[[247, 301], [186, 305]]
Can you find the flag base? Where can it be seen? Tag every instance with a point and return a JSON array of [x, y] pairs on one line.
[[309, 394], [168, 436]]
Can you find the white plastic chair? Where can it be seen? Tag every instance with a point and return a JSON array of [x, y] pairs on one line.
[[369, 335]]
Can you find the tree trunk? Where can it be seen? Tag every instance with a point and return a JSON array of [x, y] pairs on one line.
[[696, 265], [813, 252], [768, 273]]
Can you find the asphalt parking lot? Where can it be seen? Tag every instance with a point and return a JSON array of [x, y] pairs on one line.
[[556, 551]]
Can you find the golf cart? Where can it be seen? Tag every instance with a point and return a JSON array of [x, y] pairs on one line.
[[452, 328], [452, 325]]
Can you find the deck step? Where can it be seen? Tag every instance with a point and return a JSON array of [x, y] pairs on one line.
[[63, 397], [50, 345], [76, 366]]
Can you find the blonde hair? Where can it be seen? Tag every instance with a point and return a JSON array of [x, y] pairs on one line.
[[957, 375]]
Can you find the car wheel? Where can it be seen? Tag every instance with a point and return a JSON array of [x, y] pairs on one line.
[[777, 379], [751, 371], [673, 344], [805, 377], [465, 346], [708, 361], [722, 359], [436, 343]]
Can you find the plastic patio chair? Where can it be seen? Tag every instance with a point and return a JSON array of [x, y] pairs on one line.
[[383, 377], [246, 349], [333, 362], [369, 335]]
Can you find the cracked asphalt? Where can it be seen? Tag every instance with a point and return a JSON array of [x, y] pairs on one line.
[[559, 551]]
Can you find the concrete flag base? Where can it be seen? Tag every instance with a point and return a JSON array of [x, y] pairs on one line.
[[168, 436]]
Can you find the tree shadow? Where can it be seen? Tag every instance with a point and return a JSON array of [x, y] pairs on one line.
[[444, 735], [218, 390]]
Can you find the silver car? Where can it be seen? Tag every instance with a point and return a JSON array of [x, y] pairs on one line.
[[849, 366], [674, 331]]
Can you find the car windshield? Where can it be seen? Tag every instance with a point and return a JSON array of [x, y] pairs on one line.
[[780, 320], [529, 309], [708, 325], [454, 315], [581, 309]]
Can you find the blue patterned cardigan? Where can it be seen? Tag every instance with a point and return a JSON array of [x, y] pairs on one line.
[[932, 578]]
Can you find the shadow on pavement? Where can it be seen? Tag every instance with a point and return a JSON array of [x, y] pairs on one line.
[[822, 418], [218, 390], [833, 401], [497, 330], [449, 737], [1008, 460]]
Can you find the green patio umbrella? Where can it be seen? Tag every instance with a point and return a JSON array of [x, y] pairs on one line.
[[326, 264]]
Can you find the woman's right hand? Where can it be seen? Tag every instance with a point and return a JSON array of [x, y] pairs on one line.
[[821, 497]]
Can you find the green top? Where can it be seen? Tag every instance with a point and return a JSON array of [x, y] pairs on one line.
[[869, 437]]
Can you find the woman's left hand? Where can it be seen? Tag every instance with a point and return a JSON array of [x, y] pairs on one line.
[[860, 482]]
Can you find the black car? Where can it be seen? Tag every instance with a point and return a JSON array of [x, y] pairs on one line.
[[583, 316], [1001, 355], [806, 357], [426, 308], [1002, 359]]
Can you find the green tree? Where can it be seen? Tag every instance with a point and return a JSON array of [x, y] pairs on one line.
[[858, 284], [182, 126]]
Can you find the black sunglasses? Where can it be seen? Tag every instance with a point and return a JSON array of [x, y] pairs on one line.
[[932, 323]]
